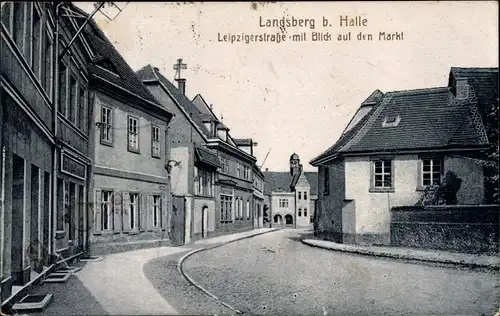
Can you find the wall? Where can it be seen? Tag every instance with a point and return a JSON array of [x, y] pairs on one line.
[[302, 186], [180, 173], [328, 220], [461, 228], [198, 205], [373, 209], [100, 241], [182, 131], [118, 156]]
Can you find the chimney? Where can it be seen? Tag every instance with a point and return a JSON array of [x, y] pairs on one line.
[[181, 84], [461, 89]]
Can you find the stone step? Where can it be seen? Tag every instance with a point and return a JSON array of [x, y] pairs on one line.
[[57, 278], [92, 259], [32, 303]]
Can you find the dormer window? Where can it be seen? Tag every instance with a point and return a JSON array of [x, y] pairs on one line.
[[391, 121]]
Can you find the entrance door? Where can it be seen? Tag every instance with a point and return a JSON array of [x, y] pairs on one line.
[[177, 220], [204, 220], [18, 196]]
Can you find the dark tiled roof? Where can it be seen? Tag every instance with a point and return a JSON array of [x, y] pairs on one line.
[[243, 141], [276, 180], [484, 81], [312, 177], [204, 108], [429, 118], [150, 73], [105, 50], [206, 156], [374, 98]]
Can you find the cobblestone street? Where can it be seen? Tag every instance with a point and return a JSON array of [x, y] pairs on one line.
[[277, 274]]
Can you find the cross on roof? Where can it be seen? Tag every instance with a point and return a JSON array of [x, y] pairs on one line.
[[178, 67]]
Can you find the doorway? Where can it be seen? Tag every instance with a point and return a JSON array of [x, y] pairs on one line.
[[204, 222], [288, 219], [18, 187]]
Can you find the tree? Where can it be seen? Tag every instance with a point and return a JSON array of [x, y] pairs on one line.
[[490, 162], [443, 194]]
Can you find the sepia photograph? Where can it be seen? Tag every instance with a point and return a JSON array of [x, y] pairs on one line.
[[255, 158]]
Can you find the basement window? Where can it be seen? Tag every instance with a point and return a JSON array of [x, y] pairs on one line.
[[391, 121]]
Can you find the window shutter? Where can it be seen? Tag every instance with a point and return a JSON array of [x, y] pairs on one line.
[[117, 210], [142, 213], [111, 122], [97, 213], [149, 205], [126, 211], [164, 211]]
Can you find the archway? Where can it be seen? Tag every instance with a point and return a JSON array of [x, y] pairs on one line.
[[289, 219], [278, 219]]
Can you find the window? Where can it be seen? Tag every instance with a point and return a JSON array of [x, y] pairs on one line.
[[240, 208], [305, 212], [248, 209], [238, 170], [155, 142], [203, 182], [19, 29], [326, 181], [36, 41], [283, 203], [133, 134], [133, 210], [62, 88], [106, 125], [431, 172], [47, 64], [305, 195], [246, 173], [106, 210], [382, 174], [71, 109], [225, 164], [82, 96], [226, 208], [391, 121], [300, 212], [300, 195], [156, 211]]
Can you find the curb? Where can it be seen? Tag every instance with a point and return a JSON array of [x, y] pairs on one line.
[[198, 286], [407, 257]]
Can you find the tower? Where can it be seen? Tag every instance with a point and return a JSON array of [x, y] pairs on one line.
[[294, 164]]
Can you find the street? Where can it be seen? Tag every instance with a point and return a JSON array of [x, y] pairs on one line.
[[276, 274]]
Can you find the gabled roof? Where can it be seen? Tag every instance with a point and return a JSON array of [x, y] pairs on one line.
[[424, 119], [150, 74], [276, 180], [106, 53], [204, 108]]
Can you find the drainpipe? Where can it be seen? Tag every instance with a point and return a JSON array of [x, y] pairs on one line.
[[55, 99]]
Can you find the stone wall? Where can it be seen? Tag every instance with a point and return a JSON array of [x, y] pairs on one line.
[[457, 228]]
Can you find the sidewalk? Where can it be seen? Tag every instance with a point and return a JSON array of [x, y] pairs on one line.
[[117, 285], [442, 257]]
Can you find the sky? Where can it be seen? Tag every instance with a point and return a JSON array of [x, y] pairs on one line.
[[299, 96]]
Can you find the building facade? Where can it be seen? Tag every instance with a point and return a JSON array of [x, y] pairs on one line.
[[130, 187], [45, 142], [194, 165], [399, 146], [258, 197], [234, 179], [291, 195]]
